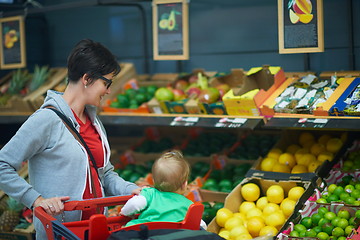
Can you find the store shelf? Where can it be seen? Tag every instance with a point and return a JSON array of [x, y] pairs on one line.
[[328, 123]]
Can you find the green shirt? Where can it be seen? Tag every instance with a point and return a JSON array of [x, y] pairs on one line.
[[162, 207]]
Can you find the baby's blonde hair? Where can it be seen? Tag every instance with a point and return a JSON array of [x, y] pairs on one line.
[[170, 171]]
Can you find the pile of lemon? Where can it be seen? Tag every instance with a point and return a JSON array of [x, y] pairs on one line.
[[305, 156], [258, 216]]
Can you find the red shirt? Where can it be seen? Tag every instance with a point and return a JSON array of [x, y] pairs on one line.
[[92, 139]]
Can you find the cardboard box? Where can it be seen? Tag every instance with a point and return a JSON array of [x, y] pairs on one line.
[[339, 74], [234, 199], [266, 79]]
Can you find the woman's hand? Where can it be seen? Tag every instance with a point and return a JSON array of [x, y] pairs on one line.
[[53, 206]]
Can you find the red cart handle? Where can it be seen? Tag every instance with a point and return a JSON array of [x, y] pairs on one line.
[[96, 202]]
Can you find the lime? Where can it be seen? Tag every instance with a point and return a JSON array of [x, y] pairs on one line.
[[329, 216], [350, 200], [322, 211], [225, 183], [321, 200], [310, 233], [327, 227], [140, 98], [333, 198], [294, 234], [307, 222], [299, 227], [323, 235], [208, 215], [341, 238], [357, 186], [115, 104], [349, 188], [344, 214], [323, 221], [302, 233], [338, 232], [355, 193], [142, 89], [335, 221], [357, 214], [352, 221], [315, 218], [331, 188], [343, 223], [130, 93], [210, 183], [207, 205], [356, 203], [338, 190], [218, 205], [317, 229], [151, 89], [344, 196], [123, 100], [348, 230]]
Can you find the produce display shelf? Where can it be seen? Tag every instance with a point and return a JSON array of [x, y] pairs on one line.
[[317, 122]]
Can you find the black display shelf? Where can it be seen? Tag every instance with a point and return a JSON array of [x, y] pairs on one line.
[[328, 123]]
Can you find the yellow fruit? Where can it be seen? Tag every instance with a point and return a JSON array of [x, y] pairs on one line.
[[233, 222], [275, 194], [317, 148], [295, 193], [222, 215], [287, 159], [294, 18], [299, 169], [299, 153], [246, 206], [261, 202], [268, 230], [306, 137], [303, 6], [278, 167], [275, 219], [224, 234], [250, 192], [274, 153], [306, 159], [292, 148], [267, 164], [238, 230], [287, 206], [305, 18], [244, 236], [323, 139], [313, 165], [270, 208], [309, 144], [322, 157], [254, 212], [334, 145], [254, 225]]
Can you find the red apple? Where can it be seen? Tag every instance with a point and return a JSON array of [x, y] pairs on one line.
[[181, 84], [209, 95], [178, 94], [193, 92]]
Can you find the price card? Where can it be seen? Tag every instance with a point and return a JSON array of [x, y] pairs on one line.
[[230, 123], [184, 121], [311, 123]]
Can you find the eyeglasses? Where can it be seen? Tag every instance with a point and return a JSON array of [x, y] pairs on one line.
[[108, 81]]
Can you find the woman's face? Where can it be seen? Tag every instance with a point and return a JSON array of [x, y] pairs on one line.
[[99, 89]]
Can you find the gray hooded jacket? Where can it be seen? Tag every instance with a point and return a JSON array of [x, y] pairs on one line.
[[58, 163]]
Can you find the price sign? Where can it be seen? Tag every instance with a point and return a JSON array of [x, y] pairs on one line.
[[185, 121], [231, 123], [311, 123]]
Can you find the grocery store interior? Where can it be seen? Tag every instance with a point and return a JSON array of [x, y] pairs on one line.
[[274, 153]]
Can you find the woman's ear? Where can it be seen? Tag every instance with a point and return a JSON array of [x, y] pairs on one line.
[[85, 79]]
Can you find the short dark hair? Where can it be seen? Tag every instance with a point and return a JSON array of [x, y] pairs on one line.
[[92, 58]]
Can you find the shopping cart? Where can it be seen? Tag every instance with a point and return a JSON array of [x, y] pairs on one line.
[[99, 227]]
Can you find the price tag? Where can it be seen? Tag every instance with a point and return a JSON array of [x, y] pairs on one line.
[[184, 121], [230, 123], [311, 123]]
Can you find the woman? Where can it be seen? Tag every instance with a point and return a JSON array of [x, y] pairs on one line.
[[59, 166]]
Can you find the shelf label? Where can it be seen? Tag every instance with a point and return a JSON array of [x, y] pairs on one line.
[[311, 123], [230, 123], [184, 121]]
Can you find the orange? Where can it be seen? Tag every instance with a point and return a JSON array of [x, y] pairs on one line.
[[268, 230], [270, 208], [317, 148], [292, 148], [322, 157], [267, 164], [295, 193], [278, 167], [299, 169], [275, 219], [334, 145], [261, 202], [222, 215], [250, 192], [287, 206], [287, 159], [254, 225], [275, 194], [306, 137], [246, 206]]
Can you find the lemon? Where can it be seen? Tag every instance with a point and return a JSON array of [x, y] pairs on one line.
[[306, 137], [244, 236], [306, 159], [299, 169], [275, 219], [299, 153], [254, 212], [242, 216], [267, 164], [261, 202], [324, 138], [274, 153], [270, 208], [322, 157], [275, 194], [292, 148], [334, 145], [295, 193], [224, 234], [287, 206], [313, 165], [254, 225], [250, 192], [246, 206], [268, 230], [278, 167], [222, 215], [287, 159], [309, 144], [233, 222], [317, 148], [238, 230]]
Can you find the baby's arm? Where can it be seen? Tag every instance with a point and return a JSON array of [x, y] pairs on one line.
[[134, 205]]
